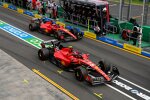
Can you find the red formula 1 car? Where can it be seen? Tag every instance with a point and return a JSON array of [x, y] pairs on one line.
[[84, 68], [49, 27]]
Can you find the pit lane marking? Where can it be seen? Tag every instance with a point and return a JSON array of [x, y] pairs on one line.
[[135, 84], [99, 95], [121, 92], [59, 71], [55, 84]]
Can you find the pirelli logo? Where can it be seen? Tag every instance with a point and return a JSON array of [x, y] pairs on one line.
[[132, 48]]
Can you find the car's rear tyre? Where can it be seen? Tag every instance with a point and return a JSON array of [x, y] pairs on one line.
[[32, 27], [59, 64], [80, 73], [43, 54]]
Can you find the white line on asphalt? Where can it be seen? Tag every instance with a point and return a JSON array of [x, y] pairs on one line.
[[134, 84], [121, 92]]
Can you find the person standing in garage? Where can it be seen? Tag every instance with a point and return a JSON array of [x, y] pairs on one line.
[[34, 4], [135, 34], [49, 8], [55, 9]]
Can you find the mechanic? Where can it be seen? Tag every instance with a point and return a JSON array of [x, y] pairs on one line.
[[39, 6], [104, 15], [134, 22], [33, 4], [55, 9], [49, 7], [29, 4], [98, 31], [135, 34], [42, 7]]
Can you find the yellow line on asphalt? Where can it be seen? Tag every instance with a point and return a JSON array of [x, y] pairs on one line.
[[98, 95], [120, 48], [55, 84]]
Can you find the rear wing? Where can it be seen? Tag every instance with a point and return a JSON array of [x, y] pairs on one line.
[[52, 42], [49, 41], [36, 19]]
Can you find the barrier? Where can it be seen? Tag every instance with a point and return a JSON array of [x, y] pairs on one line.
[[89, 34], [20, 10], [119, 45], [132, 48], [5, 5], [108, 40], [12, 7], [69, 27], [144, 53], [37, 16], [60, 23], [28, 13]]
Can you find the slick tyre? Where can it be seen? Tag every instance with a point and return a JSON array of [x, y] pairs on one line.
[[80, 73], [32, 27], [59, 64], [43, 54]]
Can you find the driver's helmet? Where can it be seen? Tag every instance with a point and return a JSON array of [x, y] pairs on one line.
[[71, 48]]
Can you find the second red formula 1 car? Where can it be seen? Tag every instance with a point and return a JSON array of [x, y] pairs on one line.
[[49, 27], [84, 68]]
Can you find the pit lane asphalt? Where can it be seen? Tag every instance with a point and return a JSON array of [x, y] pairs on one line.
[[132, 67]]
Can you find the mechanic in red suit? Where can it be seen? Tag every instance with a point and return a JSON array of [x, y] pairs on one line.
[[34, 4]]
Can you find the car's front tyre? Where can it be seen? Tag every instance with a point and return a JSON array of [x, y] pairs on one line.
[[80, 73]]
